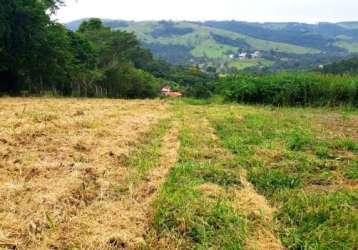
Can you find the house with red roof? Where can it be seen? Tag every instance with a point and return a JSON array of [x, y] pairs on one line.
[[167, 91]]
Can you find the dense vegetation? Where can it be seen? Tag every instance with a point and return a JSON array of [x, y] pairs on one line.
[[40, 56], [344, 66], [301, 88]]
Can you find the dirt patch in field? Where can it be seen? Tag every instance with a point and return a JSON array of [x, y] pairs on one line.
[[348, 185], [336, 126], [212, 190]]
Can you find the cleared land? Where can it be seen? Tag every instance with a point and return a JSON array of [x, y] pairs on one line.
[[114, 174]]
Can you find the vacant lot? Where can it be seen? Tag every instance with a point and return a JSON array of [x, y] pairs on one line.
[[114, 174]]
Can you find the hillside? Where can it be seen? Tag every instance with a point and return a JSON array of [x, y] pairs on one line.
[[219, 43]]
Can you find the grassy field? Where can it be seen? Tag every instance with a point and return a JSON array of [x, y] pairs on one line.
[[351, 47], [115, 174], [245, 63]]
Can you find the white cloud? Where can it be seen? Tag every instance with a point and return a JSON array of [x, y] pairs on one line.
[[248, 10]]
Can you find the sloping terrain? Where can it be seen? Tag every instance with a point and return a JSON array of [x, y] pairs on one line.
[[219, 42], [113, 174]]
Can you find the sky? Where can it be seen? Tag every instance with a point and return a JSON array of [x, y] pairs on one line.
[[309, 11]]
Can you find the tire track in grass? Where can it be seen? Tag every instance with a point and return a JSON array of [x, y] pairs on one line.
[[260, 216], [255, 208], [194, 208]]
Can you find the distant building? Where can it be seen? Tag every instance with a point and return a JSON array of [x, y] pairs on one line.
[[167, 91], [256, 54], [242, 55], [231, 56], [175, 94]]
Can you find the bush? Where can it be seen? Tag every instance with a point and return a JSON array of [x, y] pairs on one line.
[[291, 88]]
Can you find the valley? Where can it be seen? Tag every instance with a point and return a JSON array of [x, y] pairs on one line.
[[218, 43]]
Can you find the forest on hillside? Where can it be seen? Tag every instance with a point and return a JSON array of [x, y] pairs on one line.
[[229, 45]]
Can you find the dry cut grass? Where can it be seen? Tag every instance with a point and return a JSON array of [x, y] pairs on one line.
[[58, 160]]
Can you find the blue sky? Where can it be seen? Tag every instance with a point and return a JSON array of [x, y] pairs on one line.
[[310, 11]]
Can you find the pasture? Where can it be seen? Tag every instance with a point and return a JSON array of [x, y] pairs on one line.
[[164, 174]]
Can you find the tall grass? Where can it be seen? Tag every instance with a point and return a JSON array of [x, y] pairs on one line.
[[291, 88]]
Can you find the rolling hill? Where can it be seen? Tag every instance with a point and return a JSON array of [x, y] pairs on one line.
[[219, 43]]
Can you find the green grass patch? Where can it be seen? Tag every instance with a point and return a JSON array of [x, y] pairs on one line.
[[319, 220], [146, 153], [221, 177], [246, 63], [295, 170], [184, 213], [351, 172], [269, 181], [298, 140]]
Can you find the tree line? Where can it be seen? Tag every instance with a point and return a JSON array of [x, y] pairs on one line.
[[346, 66], [39, 55]]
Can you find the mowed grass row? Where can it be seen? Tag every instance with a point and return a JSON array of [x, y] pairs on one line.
[[145, 155], [305, 162], [116, 208], [61, 166], [194, 209]]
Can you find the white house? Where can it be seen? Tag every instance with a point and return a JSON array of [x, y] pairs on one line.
[[256, 54], [243, 55], [166, 89]]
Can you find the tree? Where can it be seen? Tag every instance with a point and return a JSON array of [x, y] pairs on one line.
[[23, 29], [119, 57]]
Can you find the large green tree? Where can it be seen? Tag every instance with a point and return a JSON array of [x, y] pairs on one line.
[[119, 57], [24, 28]]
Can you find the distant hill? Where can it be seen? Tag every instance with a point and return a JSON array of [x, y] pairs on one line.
[[219, 43]]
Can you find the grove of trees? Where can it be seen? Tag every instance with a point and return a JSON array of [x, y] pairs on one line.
[[39, 56]]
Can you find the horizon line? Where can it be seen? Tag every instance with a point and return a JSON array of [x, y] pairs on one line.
[[202, 21]]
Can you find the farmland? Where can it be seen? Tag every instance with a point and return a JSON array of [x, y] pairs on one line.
[[164, 174]]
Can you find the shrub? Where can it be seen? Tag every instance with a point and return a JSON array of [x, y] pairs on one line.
[[291, 88], [298, 140]]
